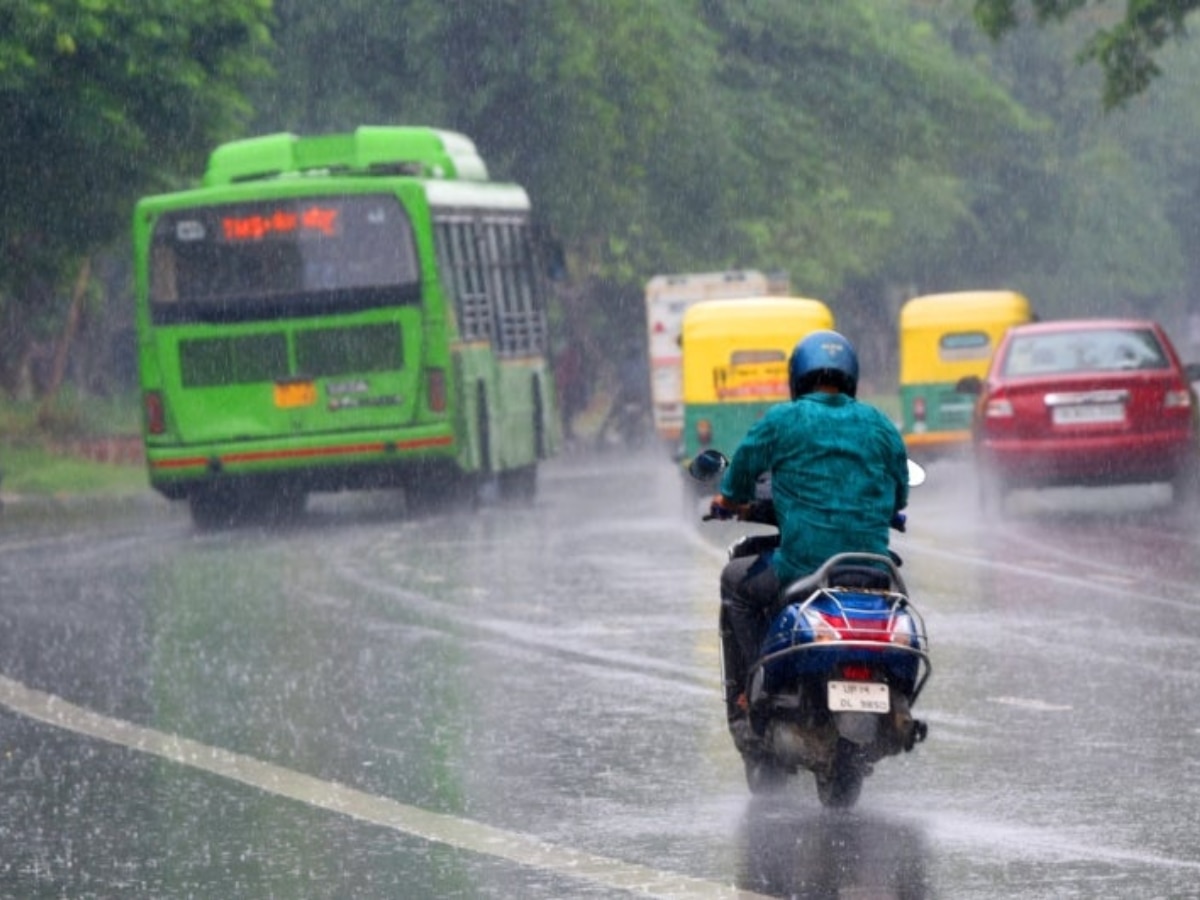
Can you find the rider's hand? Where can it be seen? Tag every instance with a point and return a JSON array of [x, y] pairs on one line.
[[899, 521], [724, 508]]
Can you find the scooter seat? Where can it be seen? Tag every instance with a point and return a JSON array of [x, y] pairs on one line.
[[861, 577]]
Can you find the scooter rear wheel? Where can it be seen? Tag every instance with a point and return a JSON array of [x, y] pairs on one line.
[[763, 775], [840, 788]]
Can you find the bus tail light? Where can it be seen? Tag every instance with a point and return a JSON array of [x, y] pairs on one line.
[[704, 432], [435, 390], [156, 418], [919, 410]]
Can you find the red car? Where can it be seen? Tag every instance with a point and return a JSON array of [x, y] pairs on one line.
[[1086, 402]]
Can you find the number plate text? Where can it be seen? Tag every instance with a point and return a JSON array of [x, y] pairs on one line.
[[859, 696]]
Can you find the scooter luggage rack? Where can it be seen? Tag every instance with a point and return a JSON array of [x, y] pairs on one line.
[[817, 587]]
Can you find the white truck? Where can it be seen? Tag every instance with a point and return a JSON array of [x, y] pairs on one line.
[[667, 299]]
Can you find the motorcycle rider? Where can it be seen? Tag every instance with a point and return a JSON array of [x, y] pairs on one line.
[[839, 477]]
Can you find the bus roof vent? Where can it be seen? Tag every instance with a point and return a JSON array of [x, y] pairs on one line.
[[369, 150]]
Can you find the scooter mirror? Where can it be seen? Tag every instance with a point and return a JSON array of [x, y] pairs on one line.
[[707, 465], [916, 474]]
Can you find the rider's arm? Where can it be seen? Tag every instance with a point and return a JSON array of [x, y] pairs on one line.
[[751, 459], [721, 507], [897, 464]]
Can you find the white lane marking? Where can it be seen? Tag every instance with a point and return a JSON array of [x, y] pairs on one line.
[[338, 798], [1031, 703], [1107, 587], [1025, 843]]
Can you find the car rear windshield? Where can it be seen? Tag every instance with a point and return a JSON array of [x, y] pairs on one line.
[[1094, 350]]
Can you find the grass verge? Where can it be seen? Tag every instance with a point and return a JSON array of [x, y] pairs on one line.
[[37, 471], [42, 447]]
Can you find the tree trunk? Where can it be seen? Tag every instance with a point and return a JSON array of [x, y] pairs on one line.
[[70, 327]]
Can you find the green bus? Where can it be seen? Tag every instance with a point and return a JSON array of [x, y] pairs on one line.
[[346, 311]]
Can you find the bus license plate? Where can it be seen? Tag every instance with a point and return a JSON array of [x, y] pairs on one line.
[[295, 393], [859, 696]]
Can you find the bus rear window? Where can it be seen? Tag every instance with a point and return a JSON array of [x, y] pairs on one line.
[[280, 257]]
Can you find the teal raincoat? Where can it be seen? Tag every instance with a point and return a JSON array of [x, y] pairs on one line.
[[839, 472]]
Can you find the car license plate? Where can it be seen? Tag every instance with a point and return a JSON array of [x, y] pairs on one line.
[[858, 696], [290, 394], [1088, 413]]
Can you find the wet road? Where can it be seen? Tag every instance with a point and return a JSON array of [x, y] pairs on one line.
[[524, 702]]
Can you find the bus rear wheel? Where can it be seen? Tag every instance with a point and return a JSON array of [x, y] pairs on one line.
[[212, 508], [441, 490], [520, 484], [225, 507]]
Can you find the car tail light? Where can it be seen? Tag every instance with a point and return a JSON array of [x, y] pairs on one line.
[[1178, 398], [435, 390], [156, 417], [998, 408], [919, 409]]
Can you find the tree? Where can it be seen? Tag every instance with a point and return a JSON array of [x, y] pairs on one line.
[[598, 107], [833, 141], [101, 100], [867, 149], [1126, 51]]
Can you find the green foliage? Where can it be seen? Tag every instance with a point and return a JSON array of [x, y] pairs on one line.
[[34, 470], [832, 141], [868, 149], [884, 139], [40, 447], [1108, 263], [1126, 51], [69, 416], [101, 100]]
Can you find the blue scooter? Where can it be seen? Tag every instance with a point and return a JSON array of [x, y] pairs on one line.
[[844, 660]]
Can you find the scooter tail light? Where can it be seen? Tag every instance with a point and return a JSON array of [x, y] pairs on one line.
[[822, 631], [852, 672], [904, 632]]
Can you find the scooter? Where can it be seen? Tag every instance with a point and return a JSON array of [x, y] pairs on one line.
[[843, 662]]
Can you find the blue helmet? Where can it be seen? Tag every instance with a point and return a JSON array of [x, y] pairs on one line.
[[823, 357]]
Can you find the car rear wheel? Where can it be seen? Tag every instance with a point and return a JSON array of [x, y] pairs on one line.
[[992, 492], [1185, 487]]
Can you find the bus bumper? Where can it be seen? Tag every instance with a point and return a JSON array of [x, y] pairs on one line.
[[366, 460]]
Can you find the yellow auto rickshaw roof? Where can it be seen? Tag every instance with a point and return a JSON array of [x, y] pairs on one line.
[[930, 324], [747, 317], [714, 330], [965, 307]]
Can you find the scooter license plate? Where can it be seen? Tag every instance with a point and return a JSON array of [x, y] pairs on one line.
[[858, 696]]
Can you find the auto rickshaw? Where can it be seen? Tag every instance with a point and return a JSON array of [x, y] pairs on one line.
[[943, 338], [735, 364]]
